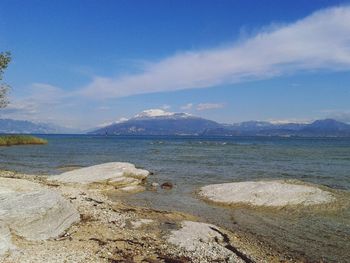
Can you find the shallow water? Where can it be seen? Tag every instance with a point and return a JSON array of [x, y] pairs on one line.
[[193, 162]]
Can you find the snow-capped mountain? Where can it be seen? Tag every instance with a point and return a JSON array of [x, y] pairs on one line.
[[160, 114], [159, 122]]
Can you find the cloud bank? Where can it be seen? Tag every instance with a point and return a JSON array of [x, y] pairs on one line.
[[42, 97], [202, 106], [320, 41]]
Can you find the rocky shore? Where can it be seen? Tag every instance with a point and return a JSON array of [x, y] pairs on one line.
[[69, 218]]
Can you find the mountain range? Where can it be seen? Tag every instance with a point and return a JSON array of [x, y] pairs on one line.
[[10, 126], [160, 122]]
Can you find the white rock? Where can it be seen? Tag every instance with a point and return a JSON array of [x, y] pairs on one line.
[[114, 173], [32, 211], [5, 239], [266, 193], [132, 189], [192, 235], [124, 181], [202, 241]]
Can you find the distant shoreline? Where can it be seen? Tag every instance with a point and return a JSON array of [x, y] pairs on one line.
[[190, 136]]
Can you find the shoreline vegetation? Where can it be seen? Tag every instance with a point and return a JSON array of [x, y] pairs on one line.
[[11, 140]]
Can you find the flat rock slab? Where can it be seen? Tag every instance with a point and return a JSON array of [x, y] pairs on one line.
[[5, 239], [192, 235], [116, 173], [32, 211], [204, 240], [266, 193]]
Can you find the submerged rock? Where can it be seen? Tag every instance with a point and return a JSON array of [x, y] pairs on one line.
[[266, 193], [167, 186], [154, 185], [117, 174], [32, 211]]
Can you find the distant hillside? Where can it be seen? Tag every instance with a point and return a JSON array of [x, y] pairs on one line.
[[159, 122], [27, 127], [319, 128]]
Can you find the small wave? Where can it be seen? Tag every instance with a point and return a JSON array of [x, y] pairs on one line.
[[68, 167]]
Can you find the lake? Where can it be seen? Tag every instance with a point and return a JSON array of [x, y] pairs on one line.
[[191, 162]]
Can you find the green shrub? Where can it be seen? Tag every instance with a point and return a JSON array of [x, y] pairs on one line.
[[9, 140]]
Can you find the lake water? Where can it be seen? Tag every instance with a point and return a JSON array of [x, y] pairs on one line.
[[191, 162]]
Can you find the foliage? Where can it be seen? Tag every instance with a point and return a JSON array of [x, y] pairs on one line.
[[9, 140], [5, 58]]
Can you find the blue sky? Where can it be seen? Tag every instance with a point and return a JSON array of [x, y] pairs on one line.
[[85, 63]]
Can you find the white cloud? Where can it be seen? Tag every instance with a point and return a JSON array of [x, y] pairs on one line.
[[103, 108], [165, 107], [108, 123], [42, 98], [47, 93], [21, 106], [202, 106], [209, 106], [319, 41], [188, 106]]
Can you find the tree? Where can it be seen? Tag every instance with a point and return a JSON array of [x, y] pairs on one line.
[[5, 58]]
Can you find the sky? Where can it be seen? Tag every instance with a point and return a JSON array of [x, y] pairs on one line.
[[82, 64]]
